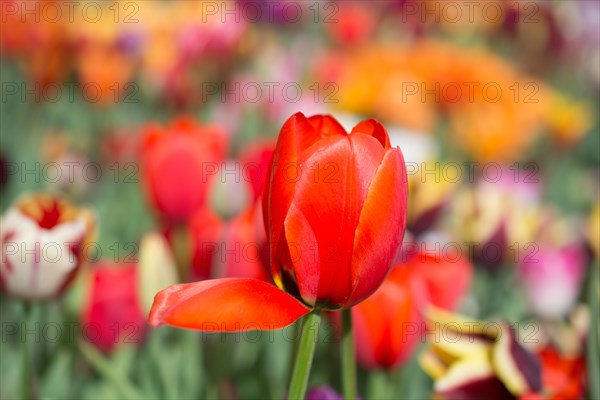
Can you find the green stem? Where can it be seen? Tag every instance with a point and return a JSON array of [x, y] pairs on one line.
[[29, 373], [348, 357], [308, 342], [593, 349], [104, 367], [26, 357]]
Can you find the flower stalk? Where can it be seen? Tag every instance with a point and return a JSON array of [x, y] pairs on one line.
[[348, 357], [306, 350]]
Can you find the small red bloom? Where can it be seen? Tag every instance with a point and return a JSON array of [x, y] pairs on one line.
[[563, 377], [447, 280], [388, 324], [113, 313], [178, 162], [226, 248], [256, 160]]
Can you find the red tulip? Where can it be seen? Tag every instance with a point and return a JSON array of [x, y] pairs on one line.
[[226, 248], [113, 314], [177, 164], [563, 376], [388, 324], [255, 161], [334, 209], [447, 279], [335, 212]]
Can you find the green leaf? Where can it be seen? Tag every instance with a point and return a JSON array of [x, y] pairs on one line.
[[105, 368], [56, 382]]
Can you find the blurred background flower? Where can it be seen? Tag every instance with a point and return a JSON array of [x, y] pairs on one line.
[[113, 313], [43, 242]]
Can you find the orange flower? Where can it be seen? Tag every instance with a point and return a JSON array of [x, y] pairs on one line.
[[495, 112], [104, 74]]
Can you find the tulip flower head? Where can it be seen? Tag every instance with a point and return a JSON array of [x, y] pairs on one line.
[[389, 324], [335, 213], [334, 210], [562, 375], [178, 163], [42, 239], [113, 307]]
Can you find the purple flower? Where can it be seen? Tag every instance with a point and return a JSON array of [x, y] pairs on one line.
[[323, 393]]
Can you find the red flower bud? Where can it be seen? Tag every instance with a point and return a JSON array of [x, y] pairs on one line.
[[178, 162], [113, 314], [334, 209]]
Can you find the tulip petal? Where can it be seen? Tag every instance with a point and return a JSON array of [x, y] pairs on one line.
[[374, 128], [381, 225], [225, 305], [368, 155], [322, 220], [471, 378], [326, 125], [324, 214], [517, 368], [240, 235], [206, 230], [387, 324], [296, 134]]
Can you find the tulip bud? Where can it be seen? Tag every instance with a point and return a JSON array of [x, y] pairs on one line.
[[357, 22], [436, 270], [516, 367], [42, 242], [113, 314], [388, 324], [562, 375], [323, 393], [157, 268], [227, 248], [334, 210], [178, 163]]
